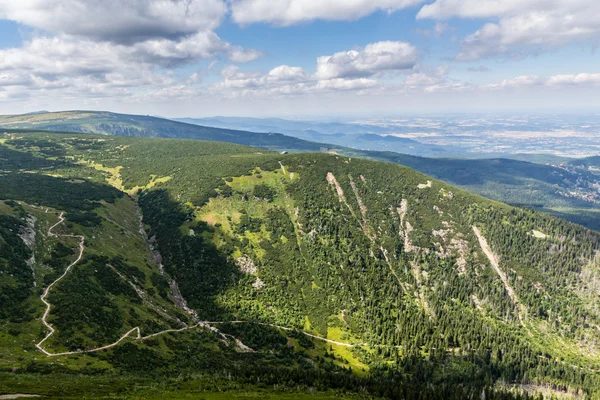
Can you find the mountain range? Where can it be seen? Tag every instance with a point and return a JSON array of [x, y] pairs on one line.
[[164, 268], [559, 188]]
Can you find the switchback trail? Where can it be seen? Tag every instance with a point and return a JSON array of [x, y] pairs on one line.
[[136, 330], [138, 335], [47, 290]]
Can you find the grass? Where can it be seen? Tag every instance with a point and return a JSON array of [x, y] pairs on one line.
[[117, 236], [135, 387], [345, 353], [225, 212]]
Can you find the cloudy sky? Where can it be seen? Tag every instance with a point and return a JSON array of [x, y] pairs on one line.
[[299, 57]]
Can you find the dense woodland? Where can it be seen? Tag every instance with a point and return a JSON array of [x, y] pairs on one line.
[[360, 252], [526, 181]]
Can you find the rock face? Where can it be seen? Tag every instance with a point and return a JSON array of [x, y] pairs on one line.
[[246, 265], [27, 233]]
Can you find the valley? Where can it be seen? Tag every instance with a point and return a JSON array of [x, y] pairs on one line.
[[343, 272]]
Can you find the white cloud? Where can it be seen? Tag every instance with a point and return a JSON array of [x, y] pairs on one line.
[[289, 12], [583, 79], [523, 26], [346, 84], [445, 9], [170, 53], [560, 80], [240, 55], [343, 71], [374, 58], [91, 46], [518, 82], [116, 20], [427, 77], [287, 73], [282, 80], [78, 67]]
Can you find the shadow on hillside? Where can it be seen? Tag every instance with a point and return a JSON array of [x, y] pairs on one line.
[[201, 270], [60, 193]]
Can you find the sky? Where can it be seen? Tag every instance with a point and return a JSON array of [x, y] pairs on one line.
[[299, 58]]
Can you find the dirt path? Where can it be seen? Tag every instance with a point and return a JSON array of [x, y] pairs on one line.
[[493, 258], [47, 290], [199, 324], [51, 329], [291, 329], [138, 336]]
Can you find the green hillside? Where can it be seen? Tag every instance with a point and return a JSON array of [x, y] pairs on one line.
[[562, 192], [107, 123], [528, 184], [256, 272]]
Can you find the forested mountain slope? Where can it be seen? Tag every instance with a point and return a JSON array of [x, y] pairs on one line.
[[568, 193], [307, 270], [108, 123]]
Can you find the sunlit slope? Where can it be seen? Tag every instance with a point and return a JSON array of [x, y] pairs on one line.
[[353, 264], [518, 182], [108, 123]]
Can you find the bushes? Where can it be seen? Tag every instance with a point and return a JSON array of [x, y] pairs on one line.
[[16, 278], [265, 192], [85, 218]]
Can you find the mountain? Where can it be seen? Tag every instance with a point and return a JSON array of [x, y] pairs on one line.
[[568, 193], [533, 137], [349, 135], [286, 126], [165, 268], [593, 162], [108, 123]]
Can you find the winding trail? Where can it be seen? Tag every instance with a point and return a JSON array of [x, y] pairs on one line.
[[138, 336], [51, 330], [291, 329]]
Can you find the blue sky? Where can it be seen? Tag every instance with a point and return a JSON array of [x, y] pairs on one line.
[[299, 57]]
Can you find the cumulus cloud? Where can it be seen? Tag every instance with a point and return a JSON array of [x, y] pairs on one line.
[[518, 82], [170, 53], [84, 67], [374, 58], [240, 55], [282, 75], [584, 79], [348, 70], [523, 26], [287, 73], [560, 80], [95, 46], [283, 80], [65, 56], [167, 32], [289, 12], [116, 20]]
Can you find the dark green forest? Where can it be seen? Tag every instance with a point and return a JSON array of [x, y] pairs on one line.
[[523, 180], [422, 290]]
